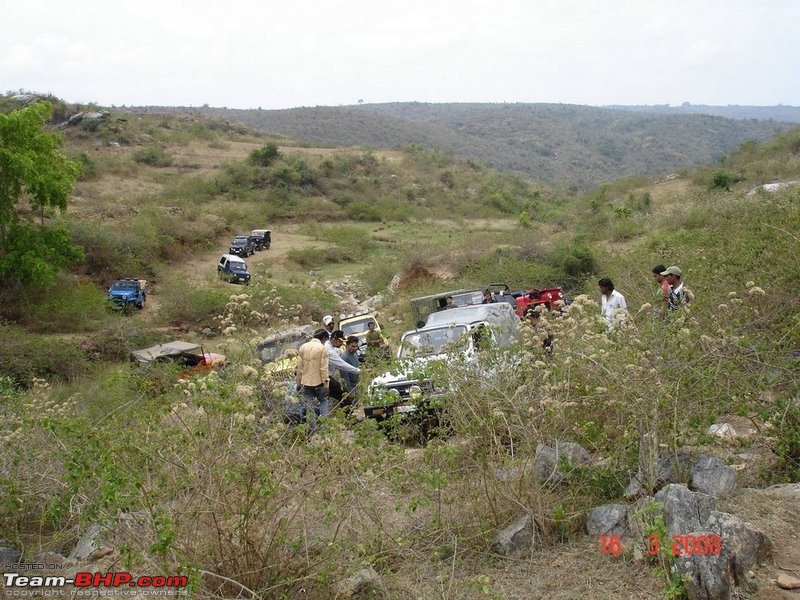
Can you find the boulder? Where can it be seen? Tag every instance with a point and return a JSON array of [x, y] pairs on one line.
[[547, 459], [684, 511], [787, 582], [517, 536], [366, 583], [743, 546], [675, 468], [87, 545], [708, 576], [713, 477], [9, 556], [608, 519]]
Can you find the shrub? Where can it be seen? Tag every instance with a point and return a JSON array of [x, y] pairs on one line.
[[25, 356], [723, 180], [184, 302], [70, 306], [264, 156], [155, 156], [88, 167]]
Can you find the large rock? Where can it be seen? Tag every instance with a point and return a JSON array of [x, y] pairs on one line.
[[88, 544], [547, 461], [713, 477], [709, 576], [608, 519], [675, 468], [684, 511], [366, 583], [743, 546], [517, 536], [89, 120], [9, 556]]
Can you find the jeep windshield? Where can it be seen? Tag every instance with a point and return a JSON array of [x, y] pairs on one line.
[[125, 285], [237, 267], [430, 342], [240, 240], [356, 326]]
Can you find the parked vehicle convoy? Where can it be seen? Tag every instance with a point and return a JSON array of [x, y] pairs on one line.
[[452, 335], [425, 305], [233, 269], [127, 293], [190, 355], [242, 246], [262, 238]]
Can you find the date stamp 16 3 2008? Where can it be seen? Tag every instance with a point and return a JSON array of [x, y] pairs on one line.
[[682, 545]]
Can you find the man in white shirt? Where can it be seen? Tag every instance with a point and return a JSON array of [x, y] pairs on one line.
[[613, 307]]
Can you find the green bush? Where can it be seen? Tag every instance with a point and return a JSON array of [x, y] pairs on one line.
[[723, 180], [264, 156], [155, 156], [574, 259], [184, 302], [88, 167], [69, 306], [25, 355]]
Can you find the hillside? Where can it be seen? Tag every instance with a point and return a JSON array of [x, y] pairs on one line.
[[203, 478], [564, 145], [780, 113]]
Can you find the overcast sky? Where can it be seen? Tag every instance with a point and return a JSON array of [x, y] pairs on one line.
[[251, 53]]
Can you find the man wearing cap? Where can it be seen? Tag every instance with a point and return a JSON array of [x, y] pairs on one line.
[[337, 363], [678, 294], [313, 379], [327, 322]]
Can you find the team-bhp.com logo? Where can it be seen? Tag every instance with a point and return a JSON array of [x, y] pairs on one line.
[[24, 585]]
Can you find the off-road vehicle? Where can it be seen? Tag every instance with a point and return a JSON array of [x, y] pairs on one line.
[[262, 238], [242, 246], [233, 269], [127, 293]]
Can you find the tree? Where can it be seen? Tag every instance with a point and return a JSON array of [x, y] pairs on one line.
[[33, 170], [265, 156]]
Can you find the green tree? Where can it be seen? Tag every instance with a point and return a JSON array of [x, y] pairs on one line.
[[33, 170], [265, 156]]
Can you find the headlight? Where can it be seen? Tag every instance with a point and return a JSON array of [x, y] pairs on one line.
[[393, 394], [415, 392]]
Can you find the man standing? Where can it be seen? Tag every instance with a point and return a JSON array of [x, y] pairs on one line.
[[350, 380], [312, 378], [678, 294], [337, 363], [612, 304], [663, 294], [327, 322]]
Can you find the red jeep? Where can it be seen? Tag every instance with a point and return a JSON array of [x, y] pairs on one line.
[[534, 298], [523, 300]]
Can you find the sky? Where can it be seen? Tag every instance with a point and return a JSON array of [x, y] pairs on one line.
[[268, 54]]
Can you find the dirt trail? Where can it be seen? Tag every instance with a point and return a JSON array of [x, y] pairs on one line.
[[201, 269]]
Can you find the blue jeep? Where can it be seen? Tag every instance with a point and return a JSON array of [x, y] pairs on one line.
[[127, 293]]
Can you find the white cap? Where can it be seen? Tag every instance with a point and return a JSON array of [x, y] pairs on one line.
[[327, 320]]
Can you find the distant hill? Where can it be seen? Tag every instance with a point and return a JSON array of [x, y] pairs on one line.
[[560, 144], [781, 113]]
